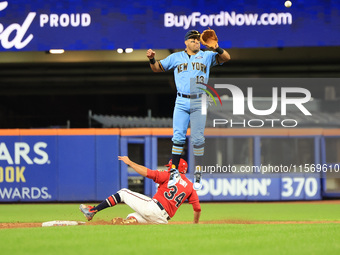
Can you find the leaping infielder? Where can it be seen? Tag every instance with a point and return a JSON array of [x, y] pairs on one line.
[[191, 68]]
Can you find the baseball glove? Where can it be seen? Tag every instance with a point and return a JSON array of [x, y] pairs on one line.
[[209, 38]]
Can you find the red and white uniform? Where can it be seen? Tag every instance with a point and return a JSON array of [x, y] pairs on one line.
[[148, 211]]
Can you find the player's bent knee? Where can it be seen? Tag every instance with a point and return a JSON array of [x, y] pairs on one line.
[[122, 193], [123, 190]]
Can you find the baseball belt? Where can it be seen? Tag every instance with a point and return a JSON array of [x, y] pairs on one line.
[[193, 96], [161, 207]]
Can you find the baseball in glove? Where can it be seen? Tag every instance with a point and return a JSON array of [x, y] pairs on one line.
[[209, 38]]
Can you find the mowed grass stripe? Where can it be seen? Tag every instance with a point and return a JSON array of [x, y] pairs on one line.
[[177, 239]]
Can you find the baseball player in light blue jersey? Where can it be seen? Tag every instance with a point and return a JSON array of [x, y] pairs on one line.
[[191, 67]]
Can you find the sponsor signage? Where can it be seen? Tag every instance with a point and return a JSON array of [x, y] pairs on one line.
[[28, 169], [58, 168], [289, 187], [107, 25]]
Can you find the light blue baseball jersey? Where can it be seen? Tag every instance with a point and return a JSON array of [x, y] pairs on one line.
[[197, 67]]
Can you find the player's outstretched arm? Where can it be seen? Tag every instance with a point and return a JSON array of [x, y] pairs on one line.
[[153, 63], [142, 170], [197, 216]]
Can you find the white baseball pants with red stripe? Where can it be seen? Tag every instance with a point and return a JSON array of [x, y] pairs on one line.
[[146, 209]]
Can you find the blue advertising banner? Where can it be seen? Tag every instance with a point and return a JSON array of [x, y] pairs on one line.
[[11, 174], [285, 187], [36, 168], [40, 167], [28, 169], [106, 25], [239, 188]]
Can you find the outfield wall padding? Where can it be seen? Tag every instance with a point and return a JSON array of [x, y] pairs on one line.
[[54, 165]]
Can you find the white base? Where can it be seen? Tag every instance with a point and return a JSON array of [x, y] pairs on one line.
[[62, 223]]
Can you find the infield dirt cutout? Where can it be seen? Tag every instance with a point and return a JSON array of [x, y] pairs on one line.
[[101, 222], [5, 225]]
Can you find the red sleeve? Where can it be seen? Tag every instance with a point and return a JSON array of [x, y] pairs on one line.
[[196, 207], [194, 200], [157, 176]]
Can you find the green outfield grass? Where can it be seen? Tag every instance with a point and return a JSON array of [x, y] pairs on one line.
[[176, 239]]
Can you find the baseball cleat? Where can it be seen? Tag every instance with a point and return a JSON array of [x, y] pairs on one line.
[[174, 177], [87, 211], [197, 180]]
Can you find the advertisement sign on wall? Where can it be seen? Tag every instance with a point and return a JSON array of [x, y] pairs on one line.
[[58, 167], [107, 25]]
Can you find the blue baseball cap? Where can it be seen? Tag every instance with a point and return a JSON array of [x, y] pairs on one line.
[[191, 33]]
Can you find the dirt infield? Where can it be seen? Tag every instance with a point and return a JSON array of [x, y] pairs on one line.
[[231, 221], [96, 223], [20, 225]]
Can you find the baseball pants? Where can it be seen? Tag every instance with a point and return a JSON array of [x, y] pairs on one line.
[[146, 209], [188, 110]]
